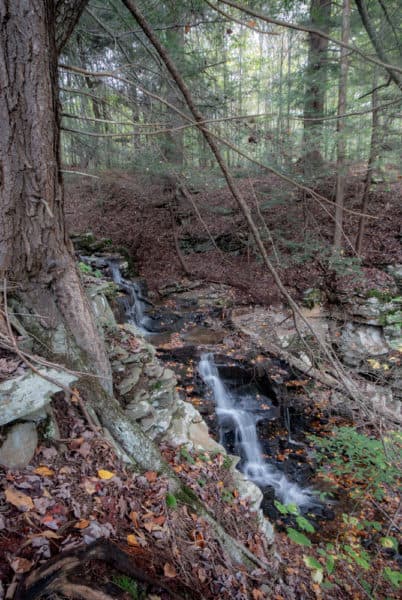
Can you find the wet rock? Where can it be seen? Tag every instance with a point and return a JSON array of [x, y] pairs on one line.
[[28, 393], [204, 336], [19, 446]]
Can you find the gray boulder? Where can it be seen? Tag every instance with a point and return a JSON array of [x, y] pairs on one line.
[[19, 446], [29, 393]]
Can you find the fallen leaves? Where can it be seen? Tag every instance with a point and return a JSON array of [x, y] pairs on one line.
[[132, 540], [105, 474], [151, 476], [169, 570], [21, 565], [44, 471], [82, 524], [18, 499]]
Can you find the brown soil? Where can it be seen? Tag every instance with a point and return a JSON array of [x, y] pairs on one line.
[[135, 213]]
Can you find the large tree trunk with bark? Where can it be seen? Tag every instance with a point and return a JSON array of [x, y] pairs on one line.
[[36, 256], [316, 80]]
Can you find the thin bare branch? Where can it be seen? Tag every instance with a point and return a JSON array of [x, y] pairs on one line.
[[307, 29]]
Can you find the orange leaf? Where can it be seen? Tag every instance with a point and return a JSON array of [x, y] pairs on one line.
[[134, 517], [104, 474], [132, 540], [21, 565], [151, 476], [44, 471], [169, 570], [257, 594], [83, 524], [251, 23], [18, 499]]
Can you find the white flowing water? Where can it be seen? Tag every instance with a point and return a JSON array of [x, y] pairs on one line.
[[233, 412], [133, 303]]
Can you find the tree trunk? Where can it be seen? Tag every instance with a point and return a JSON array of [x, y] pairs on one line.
[[370, 166], [36, 255], [341, 174], [316, 78], [174, 143]]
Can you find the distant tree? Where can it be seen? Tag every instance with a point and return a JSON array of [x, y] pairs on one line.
[[341, 169], [316, 84]]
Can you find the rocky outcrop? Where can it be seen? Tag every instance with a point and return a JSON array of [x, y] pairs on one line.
[[148, 393], [28, 393], [19, 446]]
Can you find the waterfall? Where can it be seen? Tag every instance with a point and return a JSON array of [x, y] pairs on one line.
[[133, 302], [233, 412]]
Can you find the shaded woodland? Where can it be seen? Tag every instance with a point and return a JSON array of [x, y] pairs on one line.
[[200, 299]]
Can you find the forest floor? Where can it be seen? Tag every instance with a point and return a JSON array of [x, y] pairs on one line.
[[78, 490], [135, 213]]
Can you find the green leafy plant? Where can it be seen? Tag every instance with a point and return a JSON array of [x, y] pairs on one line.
[[129, 586], [369, 462], [184, 453], [88, 270], [171, 501]]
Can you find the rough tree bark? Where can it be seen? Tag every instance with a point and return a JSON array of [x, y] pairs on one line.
[[174, 142], [340, 125], [67, 13], [36, 255], [316, 79], [35, 252], [370, 167]]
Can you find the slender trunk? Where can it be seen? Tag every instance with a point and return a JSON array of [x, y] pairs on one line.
[[35, 252], [341, 174], [370, 167], [316, 80], [174, 146]]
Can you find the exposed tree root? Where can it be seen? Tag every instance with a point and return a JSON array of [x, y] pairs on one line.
[[53, 576]]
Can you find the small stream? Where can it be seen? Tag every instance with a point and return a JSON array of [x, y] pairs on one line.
[[134, 302], [239, 419], [238, 413]]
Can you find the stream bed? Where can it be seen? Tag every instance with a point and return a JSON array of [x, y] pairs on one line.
[[253, 417]]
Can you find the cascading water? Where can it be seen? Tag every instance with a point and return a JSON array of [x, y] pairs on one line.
[[134, 303], [233, 412]]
